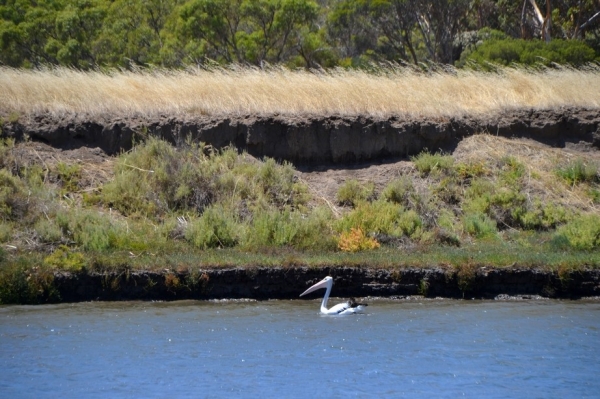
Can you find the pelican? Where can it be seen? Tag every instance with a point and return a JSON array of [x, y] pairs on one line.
[[349, 307]]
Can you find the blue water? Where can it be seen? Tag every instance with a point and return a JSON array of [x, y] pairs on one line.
[[285, 349]]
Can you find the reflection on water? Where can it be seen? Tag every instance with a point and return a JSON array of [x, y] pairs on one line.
[[286, 349]]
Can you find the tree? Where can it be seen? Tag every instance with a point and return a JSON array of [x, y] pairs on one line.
[[274, 27], [132, 32], [541, 22]]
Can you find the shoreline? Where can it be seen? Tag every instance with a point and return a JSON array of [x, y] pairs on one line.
[[263, 283]]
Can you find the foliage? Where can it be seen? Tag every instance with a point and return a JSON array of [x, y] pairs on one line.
[[25, 284], [87, 34], [532, 52], [157, 178], [427, 163], [479, 225], [355, 240], [382, 217], [582, 233], [352, 192], [15, 201], [216, 228], [63, 258], [69, 176], [578, 171], [399, 191]]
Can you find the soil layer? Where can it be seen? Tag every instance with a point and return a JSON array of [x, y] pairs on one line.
[[263, 283], [313, 140]]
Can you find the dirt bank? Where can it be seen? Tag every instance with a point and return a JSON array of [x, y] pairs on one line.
[[313, 140], [327, 151], [288, 283]]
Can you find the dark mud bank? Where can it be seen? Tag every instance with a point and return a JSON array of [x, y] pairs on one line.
[[288, 283], [314, 140]]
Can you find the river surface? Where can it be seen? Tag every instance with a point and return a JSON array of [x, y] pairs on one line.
[[285, 349]]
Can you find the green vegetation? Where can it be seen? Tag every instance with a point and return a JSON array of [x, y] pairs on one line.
[[189, 206], [531, 52], [87, 34]]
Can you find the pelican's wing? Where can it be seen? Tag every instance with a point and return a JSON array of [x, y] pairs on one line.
[[339, 308]]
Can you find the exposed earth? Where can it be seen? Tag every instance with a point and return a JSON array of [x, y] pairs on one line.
[[326, 151]]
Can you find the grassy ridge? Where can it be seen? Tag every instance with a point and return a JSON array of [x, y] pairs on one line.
[[494, 202], [380, 92]]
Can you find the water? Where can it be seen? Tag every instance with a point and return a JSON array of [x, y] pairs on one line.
[[285, 349]]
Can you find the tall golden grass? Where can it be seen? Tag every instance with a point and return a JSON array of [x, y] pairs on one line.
[[237, 91]]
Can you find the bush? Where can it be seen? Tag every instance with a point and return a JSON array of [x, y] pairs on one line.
[[272, 228], [91, 230], [479, 225], [216, 228], [581, 233], [315, 231], [64, 258], [531, 52], [381, 217], [427, 163], [352, 192], [69, 176], [156, 179], [15, 201], [399, 191], [355, 240], [578, 171], [20, 283], [543, 216]]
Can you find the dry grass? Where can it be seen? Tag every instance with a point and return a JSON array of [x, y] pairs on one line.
[[540, 162], [245, 91]]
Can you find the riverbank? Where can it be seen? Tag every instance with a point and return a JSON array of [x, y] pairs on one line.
[[162, 209], [264, 283]]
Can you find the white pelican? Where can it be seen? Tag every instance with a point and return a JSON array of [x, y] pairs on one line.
[[344, 308]]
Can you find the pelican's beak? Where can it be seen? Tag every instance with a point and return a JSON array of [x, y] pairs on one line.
[[320, 284]]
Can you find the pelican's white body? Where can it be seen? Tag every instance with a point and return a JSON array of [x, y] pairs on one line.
[[344, 308]]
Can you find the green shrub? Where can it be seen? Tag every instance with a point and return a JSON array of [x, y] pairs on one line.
[[91, 230], [470, 170], [448, 190], [381, 217], [22, 284], [7, 158], [216, 228], [583, 232], [48, 231], [543, 216], [15, 200], [427, 163], [6, 231], [279, 184], [479, 225], [315, 231], [68, 175], [399, 191], [352, 192], [271, 228], [156, 178], [478, 196], [63, 258], [511, 171], [594, 194], [578, 171], [531, 52]]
